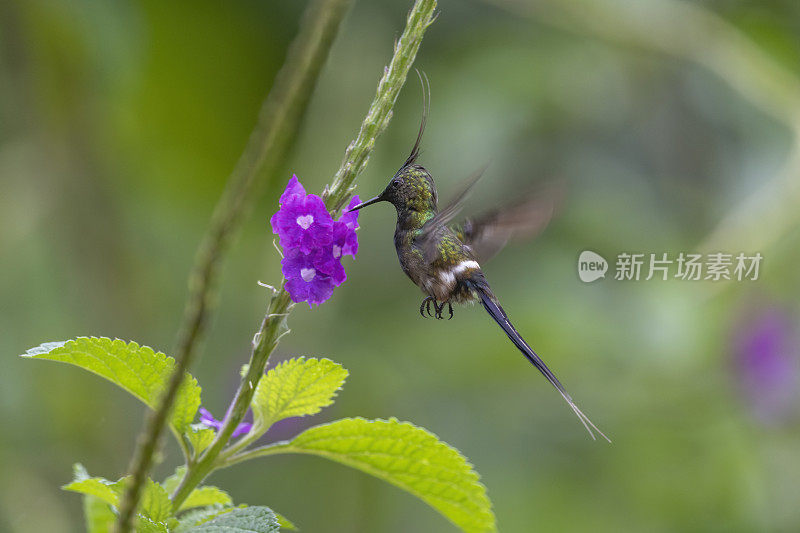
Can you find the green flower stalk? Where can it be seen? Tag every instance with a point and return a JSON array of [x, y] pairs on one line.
[[394, 77]]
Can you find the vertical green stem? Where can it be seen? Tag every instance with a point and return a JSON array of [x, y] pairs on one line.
[[355, 159], [272, 327], [265, 153]]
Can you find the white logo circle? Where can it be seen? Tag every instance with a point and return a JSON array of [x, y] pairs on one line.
[[591, 266]]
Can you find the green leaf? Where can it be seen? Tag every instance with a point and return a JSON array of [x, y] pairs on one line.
[[98, 514], [201, 496], [97, 487], [146, 525], [196, 517], [296, 387], [137, 369], [155, 503], [200, 437], [285, 523], [409, 457], [172, 482], [245, 520], [154, 509], [199, 516], [207, 495]]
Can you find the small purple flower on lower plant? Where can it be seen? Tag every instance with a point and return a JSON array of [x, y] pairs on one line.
[[313, 243], [768, 363], [208, 420]]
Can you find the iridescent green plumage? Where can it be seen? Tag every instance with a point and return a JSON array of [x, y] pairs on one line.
[[443, 260], [428, 251]]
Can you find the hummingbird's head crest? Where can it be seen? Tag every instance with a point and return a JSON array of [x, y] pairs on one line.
[[426, 107], [412, 187]]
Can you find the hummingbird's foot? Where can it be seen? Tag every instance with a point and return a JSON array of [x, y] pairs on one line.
[[449, 310], [425, 306], [439, 309]]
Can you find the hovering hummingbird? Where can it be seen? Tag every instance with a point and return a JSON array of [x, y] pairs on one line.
[[442, 259]]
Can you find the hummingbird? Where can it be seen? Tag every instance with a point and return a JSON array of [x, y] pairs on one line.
[[441, 258]]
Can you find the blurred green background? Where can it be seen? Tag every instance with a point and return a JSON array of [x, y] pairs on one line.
[[120, 121]]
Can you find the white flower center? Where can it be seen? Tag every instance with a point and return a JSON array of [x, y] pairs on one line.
[[305, 221], [337, 251], [307, 273]]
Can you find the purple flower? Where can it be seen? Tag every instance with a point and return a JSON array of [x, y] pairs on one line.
[[313, 243], [767, 352], [208, 420], [350, 218], [312, 277], [304, 223], [345, 240], [293, 188]]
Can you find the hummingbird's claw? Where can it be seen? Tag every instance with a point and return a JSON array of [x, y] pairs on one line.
[[439, 309], [425, 306]]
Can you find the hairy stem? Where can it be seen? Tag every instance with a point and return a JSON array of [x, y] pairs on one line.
[[355, 159], [380, 112], [272, 327], [265, 153]]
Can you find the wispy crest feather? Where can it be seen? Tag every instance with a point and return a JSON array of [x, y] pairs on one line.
[[426, 106]]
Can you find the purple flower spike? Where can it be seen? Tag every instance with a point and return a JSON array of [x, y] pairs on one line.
[[313, 243], [208, 420]]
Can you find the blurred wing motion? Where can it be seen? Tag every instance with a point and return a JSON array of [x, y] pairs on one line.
[[487, 234], [432, 228], [445, 215]]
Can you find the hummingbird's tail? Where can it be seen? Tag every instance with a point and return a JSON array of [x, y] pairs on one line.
[[493, 308]]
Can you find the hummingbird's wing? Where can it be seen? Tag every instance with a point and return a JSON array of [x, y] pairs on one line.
[[445, 215], [430, 232], [488, 233]]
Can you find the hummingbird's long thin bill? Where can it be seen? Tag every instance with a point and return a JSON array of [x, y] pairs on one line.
[[365, 204]]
